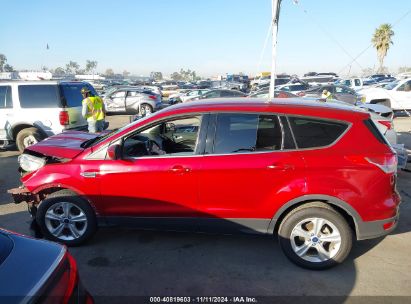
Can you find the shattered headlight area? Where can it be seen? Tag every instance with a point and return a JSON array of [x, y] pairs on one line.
[[30, 163]]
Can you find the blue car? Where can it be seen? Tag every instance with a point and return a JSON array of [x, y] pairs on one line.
[[38, 271]]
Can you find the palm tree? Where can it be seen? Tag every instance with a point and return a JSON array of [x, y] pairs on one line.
[[381, 41]]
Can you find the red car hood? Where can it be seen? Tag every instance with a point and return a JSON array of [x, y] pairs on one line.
[[63, 145]]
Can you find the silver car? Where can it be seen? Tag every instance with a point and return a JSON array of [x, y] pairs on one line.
[[131, 100]]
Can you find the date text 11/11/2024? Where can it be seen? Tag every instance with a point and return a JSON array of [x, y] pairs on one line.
[[240, 299]]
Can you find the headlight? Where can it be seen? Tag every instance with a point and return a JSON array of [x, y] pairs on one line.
[[31, 163]]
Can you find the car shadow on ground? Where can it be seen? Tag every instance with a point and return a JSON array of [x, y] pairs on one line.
[[8, 164], [118, 264], [124, 262], [121, 263]]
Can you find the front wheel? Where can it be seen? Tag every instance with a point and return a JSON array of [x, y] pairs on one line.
[[66, 218], [315, 236]]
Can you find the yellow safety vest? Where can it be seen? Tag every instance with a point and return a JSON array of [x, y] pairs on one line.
[[94, 108]]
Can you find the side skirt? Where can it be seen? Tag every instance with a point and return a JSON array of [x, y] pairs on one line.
[[208, 225]]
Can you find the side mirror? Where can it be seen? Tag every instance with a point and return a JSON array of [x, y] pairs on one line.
[[113, 152]]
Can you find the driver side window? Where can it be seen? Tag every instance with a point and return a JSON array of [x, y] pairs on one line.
[[167, 138]]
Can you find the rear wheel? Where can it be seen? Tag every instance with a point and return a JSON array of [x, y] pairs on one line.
[[67, 218], [315, 236], [145, 109], [28, 137]]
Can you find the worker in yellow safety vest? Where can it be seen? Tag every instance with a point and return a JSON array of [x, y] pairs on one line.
[[326, 94], [93, 110]]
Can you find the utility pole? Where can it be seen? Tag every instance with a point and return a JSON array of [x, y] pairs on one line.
[[275, 16]]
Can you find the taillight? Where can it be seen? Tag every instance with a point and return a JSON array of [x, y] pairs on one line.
[[386, 123], [387, 163], [64, 118], [73, 278], [63, 282], [301, 94], [152, 97]]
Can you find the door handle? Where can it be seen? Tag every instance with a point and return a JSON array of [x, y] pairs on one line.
[[89, 174], [179, 169], [282, 167]]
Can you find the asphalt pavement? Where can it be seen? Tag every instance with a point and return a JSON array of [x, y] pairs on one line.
[[124, 262]]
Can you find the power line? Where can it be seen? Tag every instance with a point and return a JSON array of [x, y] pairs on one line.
[[264, 46], [370, 45], [296, 2]]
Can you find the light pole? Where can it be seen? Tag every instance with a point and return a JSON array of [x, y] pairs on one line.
[[275, 16]]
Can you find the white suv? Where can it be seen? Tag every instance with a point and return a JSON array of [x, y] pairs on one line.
[[33, 110]]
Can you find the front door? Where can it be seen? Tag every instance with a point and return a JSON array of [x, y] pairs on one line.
[[157, 176], [117, 102]]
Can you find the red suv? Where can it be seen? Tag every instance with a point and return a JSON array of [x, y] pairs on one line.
[[315, 174]]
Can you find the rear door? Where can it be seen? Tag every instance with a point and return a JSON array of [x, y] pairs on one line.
[[133, 100], [71, 94], [6, 111], [40, 105], [246, 173]]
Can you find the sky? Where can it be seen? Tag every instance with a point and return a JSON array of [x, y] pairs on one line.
[[212, 37]]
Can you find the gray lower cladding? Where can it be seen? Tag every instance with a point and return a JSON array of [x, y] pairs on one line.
[[375, 229], [210, 225]]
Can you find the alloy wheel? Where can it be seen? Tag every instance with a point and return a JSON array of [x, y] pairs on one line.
[[315, 240], [66, 221]]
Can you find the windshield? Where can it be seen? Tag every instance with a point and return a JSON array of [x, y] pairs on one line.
[[391, 85], [94, 141]]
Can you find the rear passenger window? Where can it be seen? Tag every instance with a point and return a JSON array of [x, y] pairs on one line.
[[312, 133], [72, 93], [39, 96], [5, 97], [243, 133]]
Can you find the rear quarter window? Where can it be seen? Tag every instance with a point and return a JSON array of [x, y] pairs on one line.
[[314, 133], [39, 96], [374, 130]]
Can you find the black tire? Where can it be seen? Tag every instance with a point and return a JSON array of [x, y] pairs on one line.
[[315, 210], [24, 134], [77, 203]]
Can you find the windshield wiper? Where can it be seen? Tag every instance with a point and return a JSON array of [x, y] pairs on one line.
[[88, 143], [94, 140], [251, 149]]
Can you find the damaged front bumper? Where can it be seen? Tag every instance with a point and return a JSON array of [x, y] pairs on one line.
[[22, 194]]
